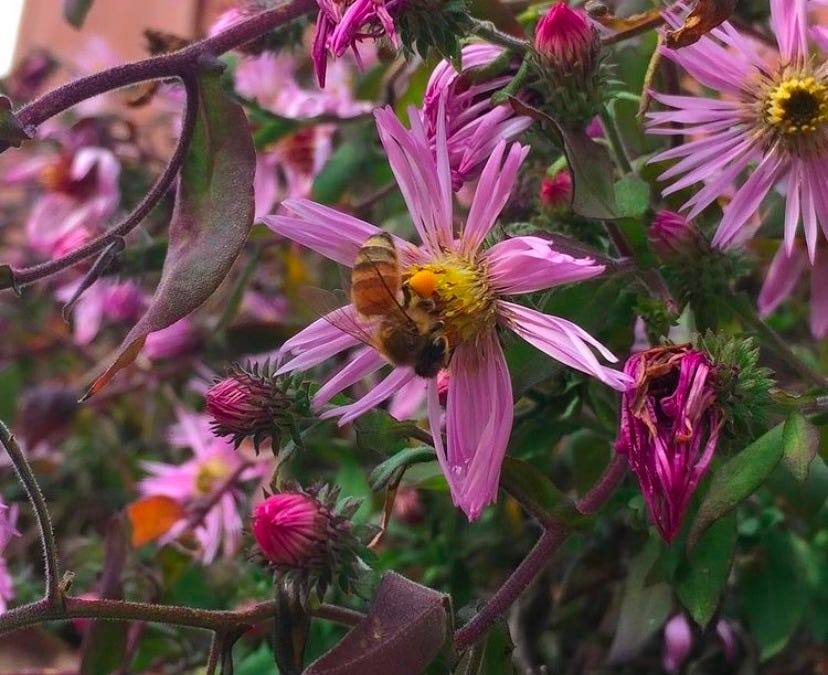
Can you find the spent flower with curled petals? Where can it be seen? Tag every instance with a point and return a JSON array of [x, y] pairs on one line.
[[770, 121], [468, 285], [670, 424]]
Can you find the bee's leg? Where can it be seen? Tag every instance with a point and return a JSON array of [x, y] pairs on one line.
[[406, 291]]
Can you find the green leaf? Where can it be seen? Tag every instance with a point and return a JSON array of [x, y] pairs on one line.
[[632, 196], [349, 160], [491, 656], [644, 608], [593, 191], [702, 578], [383, 473], [378, 431], [75, 11], [212, 218], [800, 441], [538, 495], [736, 480], [774, 594], [12, 134]]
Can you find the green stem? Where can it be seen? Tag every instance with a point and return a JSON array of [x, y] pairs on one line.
[[53, 596], [615, 141], [487, 31]]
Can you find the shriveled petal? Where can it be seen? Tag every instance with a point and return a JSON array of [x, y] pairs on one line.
[[479, 413], [528, 264], [493, 190], [564, 341], [783, 273], [395, 380]]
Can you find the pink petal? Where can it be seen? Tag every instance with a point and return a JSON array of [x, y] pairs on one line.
[[529, 264], [819, 296], [395, 380], [316, 343], [783, 273], [789, 23], [479, 413], [364, 362], [564, 341], [408, 399]]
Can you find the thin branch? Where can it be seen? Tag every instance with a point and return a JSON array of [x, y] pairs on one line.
[[216, 647], [343, 615], [598, 495], [635, 31], [487, 30], [157, 191], [53, 597]]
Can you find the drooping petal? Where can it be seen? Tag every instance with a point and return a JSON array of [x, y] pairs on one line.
[[479, 412], [393, 382], [364, 362], [783, 273], [529, 264], [564, 341], [317, 342]]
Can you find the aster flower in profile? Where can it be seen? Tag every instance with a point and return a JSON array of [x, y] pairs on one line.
[[463, 287], [462, 102], [670, 424], [770, 120], [195, 483]]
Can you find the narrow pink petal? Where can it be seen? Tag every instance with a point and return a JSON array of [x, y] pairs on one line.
[[493, 191], [409, 399], [529, 264], [792, 208], [783, 273], [746, 201], [435, 422], [395, 380], [479, 413], [564, 341], [330, 233], [315, 343], [364, 362], [819, 296], [789, 22]]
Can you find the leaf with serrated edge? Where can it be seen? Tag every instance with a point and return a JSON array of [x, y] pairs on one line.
[[212, 218]]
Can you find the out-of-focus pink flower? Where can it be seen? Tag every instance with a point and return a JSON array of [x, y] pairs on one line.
[[180, 339], [565, 39], [198, 480], [678, 642], [473, 127], [408, 507], [119, 301], [556, 192], [8, 529], [726, 630], [470, 286], [769, 123], [290, 529], [670, 425], [783, 274], [342, 24]]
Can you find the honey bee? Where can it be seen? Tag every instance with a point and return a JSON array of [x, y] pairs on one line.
[[402, 325]]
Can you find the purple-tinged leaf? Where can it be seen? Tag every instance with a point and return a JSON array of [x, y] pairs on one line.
[[212, 218], [406, 627], [800, 443], [12, 133], [75, 11]]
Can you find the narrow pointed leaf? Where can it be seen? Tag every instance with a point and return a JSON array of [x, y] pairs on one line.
[[593, 190], [212, 218], [800, 442]]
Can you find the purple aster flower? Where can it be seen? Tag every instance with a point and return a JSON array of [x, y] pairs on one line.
[[473, 126], [196, 481], [670, 425], [770, 121], [783, 274], [470, 285]]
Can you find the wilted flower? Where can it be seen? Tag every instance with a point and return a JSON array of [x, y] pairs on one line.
[[473, 126], [678, 643], [290, 529], [670, 424], [773, 113], [8, 529], [469, 289], [556, 192]]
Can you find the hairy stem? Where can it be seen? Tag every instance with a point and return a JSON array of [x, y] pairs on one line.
[[487, 30], [53, 597], [598, 495]]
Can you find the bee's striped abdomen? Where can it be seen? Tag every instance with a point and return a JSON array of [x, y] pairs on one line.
[[375, 278]]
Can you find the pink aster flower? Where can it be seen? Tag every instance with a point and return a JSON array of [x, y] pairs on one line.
[[469, 289], [118, 301], [783, 274], [179, 339], [8, 523], [670, 426], [198, 481], [473, 126], [770, 121]]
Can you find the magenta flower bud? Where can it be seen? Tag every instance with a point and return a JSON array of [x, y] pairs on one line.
[[234, 404], [556, 192], [727, 635], [672, 234], [678, 642], [670, 423], [290, 529], [565, 38]]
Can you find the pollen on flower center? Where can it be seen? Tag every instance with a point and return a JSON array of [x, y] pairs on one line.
[[209, 473], [798, 105], [461, 294]]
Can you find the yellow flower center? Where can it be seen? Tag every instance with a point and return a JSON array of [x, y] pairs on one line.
[[797, 105], [462, 298], [209, 473]]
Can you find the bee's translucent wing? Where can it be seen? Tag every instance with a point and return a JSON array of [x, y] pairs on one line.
[[336, 310]]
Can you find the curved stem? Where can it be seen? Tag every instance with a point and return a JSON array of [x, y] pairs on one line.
[[598, 495], [487, 30], [181, 63], [29, 275], [53, 597]]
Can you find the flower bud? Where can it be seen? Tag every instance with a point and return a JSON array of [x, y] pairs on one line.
[[678, 642], [671, 234], [670, 424], [290, 529], [725, 630], [408, 506], [565, 38], [556, 192]]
